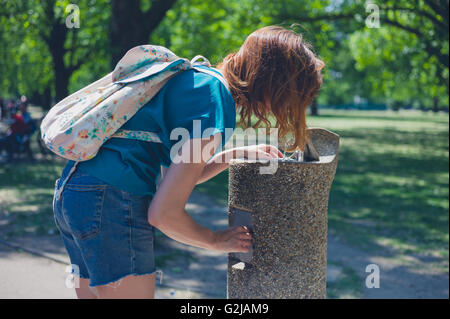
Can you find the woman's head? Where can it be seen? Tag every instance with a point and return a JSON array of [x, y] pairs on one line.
[[275, 72]]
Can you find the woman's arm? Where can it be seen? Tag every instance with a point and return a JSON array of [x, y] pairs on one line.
[[167, 213], [220, 162]]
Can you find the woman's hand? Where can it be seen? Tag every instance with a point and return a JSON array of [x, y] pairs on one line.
[[261, 152], [234, 239], [220, 161]]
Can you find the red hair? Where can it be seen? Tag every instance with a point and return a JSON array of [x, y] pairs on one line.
[[275, 73]]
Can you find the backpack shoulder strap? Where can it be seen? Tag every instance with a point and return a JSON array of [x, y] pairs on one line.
[[221, 78], [217, 74], [153, 137]]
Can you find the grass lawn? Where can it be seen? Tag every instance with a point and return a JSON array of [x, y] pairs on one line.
[[390, 190], [391, 186]]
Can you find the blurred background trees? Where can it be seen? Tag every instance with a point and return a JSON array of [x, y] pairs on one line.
[[401, 64]]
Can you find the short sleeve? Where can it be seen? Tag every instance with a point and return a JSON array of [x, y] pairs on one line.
[[199, 104]]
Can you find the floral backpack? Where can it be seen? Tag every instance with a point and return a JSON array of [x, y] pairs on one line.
[[77, 126]]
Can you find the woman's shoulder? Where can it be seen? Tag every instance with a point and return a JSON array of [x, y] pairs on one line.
[[193, 95], [199, 86]]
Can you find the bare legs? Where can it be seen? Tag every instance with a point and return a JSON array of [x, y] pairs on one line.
[[85, 292], [130, 287]]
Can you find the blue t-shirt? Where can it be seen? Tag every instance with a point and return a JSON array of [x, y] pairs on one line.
[[134, 165]]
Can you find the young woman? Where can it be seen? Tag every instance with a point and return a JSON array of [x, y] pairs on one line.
[[110, 204]]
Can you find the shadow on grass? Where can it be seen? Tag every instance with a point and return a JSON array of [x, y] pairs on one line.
[[402, 197], [390, 189]]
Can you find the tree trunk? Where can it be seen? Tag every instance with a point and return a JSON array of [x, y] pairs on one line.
[[47, 98], [314, 108], [130, 26], [61, 72], [43, 99], [55, 36], [435, 105], [61, 83], [55, 41]]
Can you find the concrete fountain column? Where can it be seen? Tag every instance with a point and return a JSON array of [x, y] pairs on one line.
[[287, 214]]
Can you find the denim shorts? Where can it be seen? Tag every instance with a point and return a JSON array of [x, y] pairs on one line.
[[104, 229]]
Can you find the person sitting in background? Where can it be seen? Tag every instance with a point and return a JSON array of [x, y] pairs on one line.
[[2, 108], [11, 108], [11, 142], [29, 122]]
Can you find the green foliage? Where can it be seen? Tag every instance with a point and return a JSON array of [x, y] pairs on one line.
[[27, 65], [402, 63], [24, 59], [391, 185], [90, 43], [210, 28], [397, 71]]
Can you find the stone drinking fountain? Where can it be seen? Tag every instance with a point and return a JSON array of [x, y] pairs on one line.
[[287, 215]]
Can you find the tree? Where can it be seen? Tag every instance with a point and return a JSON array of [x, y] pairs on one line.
[[131, 25], [43, 25], [405, 62], [23, 57], [62, 58], [418, 60]]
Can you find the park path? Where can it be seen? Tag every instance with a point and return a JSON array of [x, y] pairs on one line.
[[32, 267]]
